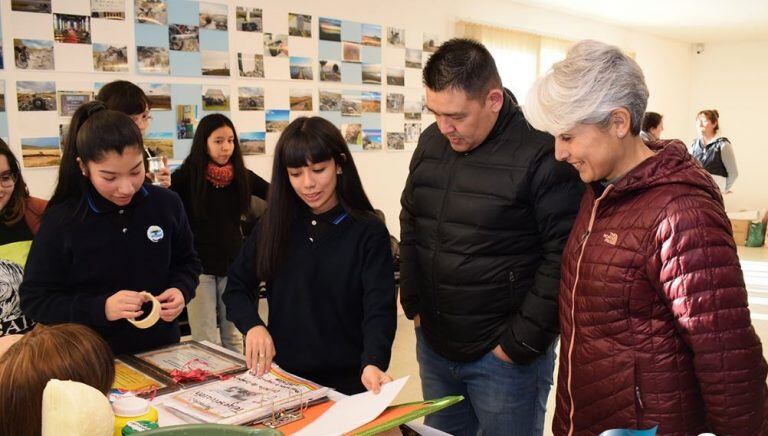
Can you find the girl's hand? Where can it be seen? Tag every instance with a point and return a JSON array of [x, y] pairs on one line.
[[373, 378], [259, 350], [171, 304], [124, 305]]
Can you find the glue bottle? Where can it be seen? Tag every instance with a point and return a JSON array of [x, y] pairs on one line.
[[132, 409]]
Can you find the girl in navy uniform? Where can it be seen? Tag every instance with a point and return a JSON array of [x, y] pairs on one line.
[[216, 189], [327, 264], [106, 236]]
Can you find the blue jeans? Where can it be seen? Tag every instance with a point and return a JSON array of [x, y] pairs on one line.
[[500, 398]]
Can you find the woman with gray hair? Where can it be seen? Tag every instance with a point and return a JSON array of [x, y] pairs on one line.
[[653, 311]]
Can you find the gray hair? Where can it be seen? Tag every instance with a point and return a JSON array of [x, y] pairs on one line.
[[585, 88]]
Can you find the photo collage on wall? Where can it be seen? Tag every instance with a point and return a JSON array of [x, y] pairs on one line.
[[262, 68]]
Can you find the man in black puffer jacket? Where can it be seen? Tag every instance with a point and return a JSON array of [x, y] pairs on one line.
[[486, 213]]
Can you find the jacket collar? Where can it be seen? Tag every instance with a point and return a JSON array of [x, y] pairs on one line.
[[508, 110], [99, 204]]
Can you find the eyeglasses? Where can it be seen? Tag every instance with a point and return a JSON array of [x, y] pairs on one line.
[[143, 117], [9, 179]]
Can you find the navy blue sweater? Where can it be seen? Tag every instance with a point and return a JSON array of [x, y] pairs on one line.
[[331, 305], [88, 249]]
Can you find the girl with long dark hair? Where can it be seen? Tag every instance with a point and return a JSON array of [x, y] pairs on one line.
[[106, 236], [327, 265], [216, 189]]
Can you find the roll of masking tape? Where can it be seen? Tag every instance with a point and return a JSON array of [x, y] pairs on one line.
[[153, 316]]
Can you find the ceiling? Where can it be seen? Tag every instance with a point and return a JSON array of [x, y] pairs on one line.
[[684, 20]]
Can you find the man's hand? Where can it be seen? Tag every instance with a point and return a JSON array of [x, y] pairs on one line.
[[498, 352], [417, 321]]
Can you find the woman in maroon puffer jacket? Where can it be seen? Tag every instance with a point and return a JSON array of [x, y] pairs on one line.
[[653, 310]]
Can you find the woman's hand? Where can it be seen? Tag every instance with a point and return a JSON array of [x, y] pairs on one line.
[[171, 304], [123, 305], [373, 378], [259, 350], [163, 177]]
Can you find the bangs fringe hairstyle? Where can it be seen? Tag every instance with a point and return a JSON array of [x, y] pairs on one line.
[[305, 140], [197, 161], [585, 88], [14, 209], [93, 132]]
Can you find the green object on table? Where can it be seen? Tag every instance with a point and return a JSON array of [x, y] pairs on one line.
[[210, 430], [136, 427], [434, 406], [756, 234]]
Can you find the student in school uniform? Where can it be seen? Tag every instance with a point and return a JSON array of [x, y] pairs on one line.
[[216, 189], [327, 265], [126, 97], [106, 236]]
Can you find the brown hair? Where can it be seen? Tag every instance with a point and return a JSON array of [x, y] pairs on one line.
[[713, 116], [65, 352], [14, 209]]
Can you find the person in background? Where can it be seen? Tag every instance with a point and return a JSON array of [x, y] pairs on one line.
[[64, 352], [327, 264], [108, 235], [714, 152], [653, 125], [126, 97], [655, 327], [216, 189], [486, 213], [20, 216]]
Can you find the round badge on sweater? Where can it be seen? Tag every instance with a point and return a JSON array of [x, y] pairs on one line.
[[155, 233]]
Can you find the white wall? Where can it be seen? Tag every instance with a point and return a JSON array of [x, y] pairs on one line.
[[733, 78], [667, 64]]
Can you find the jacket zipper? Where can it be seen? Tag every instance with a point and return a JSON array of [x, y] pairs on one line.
[[573, 306]]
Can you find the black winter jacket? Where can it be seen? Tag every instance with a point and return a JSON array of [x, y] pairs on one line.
[[482, 237]]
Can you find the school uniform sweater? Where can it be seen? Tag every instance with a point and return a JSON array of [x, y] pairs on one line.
[[217, 233], [89, 248], [331, 304]]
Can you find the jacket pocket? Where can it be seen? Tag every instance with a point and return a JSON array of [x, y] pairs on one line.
[[638, 393]]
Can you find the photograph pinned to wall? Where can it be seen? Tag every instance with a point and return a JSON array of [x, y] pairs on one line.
[[215, 63], [395, 103], [33, 54], [395, 141], [250, 98], [159, 95], [330, 71], [300, 25], [371, 102], [396, 37], [412, 132], [252, 143], [40, 152], [431, 43], [108, 9], [412, 58], [2, 66], [276, 45], [2, 95], [277, 120], [395, 76], [372, 74], [330, 100], [301, 99], [36, 96], [72, 29], [412, 110], [69, 101], [371, 139], [159, 143], [351, 104], [353, 133], [63, 128], [213, 16], [249, 19], [183, 37], [186, 121], [215, 98], [250, 65], [110, 58], [371, 35], [350, 51], [301, 68], [151, 11], [40, 6], [330, 29], [152, 60]]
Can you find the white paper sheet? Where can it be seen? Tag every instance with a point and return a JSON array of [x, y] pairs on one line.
[[354, 411]]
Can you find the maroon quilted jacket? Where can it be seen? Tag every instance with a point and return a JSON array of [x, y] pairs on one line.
[[653, 310]]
